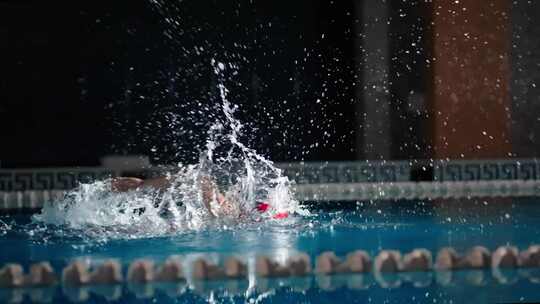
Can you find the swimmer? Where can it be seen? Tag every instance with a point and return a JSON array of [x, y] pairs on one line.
[[210, 194]]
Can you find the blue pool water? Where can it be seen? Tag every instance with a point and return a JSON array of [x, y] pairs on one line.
[[402, 225]]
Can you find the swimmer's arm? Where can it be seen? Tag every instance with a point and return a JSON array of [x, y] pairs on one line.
[[160, 183], [208, 187], [124, 184], [210, 192]]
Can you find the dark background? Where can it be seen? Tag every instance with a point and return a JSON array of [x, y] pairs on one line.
[[89, 78]]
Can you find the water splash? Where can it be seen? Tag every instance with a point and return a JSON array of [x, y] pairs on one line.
[[239, 172], [4, 228]]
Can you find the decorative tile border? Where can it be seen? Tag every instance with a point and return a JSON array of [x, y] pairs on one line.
[[347, 172], [325, 181], [24, 201], [465, 170], [50, 179], [302, 173]]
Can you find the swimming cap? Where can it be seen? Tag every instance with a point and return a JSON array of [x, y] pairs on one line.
[[281, 215], [263, 207]]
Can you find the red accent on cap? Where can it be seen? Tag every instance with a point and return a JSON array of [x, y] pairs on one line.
[[281, 215], [262, 207]]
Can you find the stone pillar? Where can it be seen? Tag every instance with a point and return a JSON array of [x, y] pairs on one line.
[[470, 100], [372, 92]]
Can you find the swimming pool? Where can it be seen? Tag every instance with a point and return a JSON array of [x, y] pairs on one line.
[[370, 226]]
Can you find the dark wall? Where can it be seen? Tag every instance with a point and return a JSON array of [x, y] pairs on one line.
[[85, 79], [410, 78], [57, 79]]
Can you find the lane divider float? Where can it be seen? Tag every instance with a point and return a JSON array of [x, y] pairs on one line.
[[143, 271], [356, 271]]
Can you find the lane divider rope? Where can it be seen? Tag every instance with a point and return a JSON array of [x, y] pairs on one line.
[[356, 271], [143, 271]]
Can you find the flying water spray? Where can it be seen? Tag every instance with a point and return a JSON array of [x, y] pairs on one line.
[[245, 178]]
